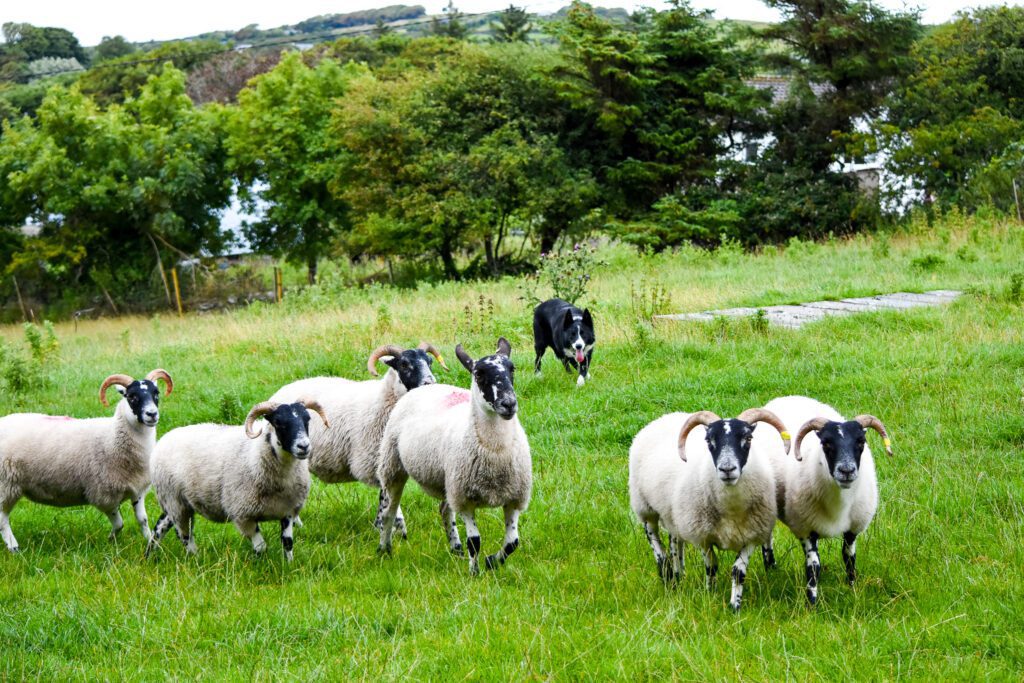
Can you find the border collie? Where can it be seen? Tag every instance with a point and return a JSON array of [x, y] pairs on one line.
[[568, 331]]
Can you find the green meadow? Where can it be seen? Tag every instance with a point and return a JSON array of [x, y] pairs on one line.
[[940, 589]]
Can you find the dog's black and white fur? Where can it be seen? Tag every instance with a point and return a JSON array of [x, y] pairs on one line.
[[568, 331]]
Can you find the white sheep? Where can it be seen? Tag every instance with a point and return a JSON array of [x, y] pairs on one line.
[[714, 492], [101, 461], [829, 490], [466, 448], [359, 411], [229, 474]]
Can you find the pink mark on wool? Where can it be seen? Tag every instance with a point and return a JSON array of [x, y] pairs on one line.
[[455, 398], [57, 417]]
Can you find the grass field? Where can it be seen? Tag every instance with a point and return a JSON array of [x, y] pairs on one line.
[[940, 592]]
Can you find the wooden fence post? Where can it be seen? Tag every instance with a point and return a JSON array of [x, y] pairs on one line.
[[177, 290]]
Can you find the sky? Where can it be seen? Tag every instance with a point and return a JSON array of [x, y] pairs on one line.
[[140, 21]]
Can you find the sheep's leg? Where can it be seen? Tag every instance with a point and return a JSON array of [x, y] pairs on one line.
[[287, 541], [677, 554], [850, 556], [472, 540], [296, 522], [813, 566], [710, 566], [5, 528], [382, 503], [660, 556], [184, 526], [116, 523], [387, 525], [162, 526], [511, 541], [251, 530], [451, 529], [739, 574], [768, 554], [139, 507]]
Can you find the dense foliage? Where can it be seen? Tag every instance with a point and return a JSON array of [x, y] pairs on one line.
[[454, 157]]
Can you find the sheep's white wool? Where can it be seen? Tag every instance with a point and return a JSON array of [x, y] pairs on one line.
[[810, 501], [64, 462], [694, 505], [454, 445], [220, 473]]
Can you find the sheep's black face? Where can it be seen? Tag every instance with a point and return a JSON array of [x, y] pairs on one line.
[[729, 443], [291, 424], [843, 444], [143, 398], [413, 368], [495, 375]]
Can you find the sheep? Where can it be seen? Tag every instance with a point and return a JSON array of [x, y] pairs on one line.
[[228, 474], [101, 461], [465, 448], [829, 489], [719, 493], [359, 411]]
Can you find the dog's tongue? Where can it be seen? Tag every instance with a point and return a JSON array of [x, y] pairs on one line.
[[579, 356]]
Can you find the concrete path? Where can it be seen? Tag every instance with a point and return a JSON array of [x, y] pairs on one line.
[[800, 314]]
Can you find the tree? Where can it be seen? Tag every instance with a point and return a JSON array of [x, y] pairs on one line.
[[113, 47], [36, 42], [451, 26], [513, 25], [421, 179], [113, 187], [658, 101], [961, 106], [120, 78], [222, 77], [844, 57], [281, 155]]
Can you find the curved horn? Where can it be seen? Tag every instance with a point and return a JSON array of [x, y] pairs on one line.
[[755, 415], [160, 373], [429, 348], [316, 408], [809, 426], [380, 352], [703, 417], [872, 422], [258, 410], [122, 380]]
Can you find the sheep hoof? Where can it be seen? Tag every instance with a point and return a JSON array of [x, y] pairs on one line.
[[493, 562], [383, 550], [15, 550], [735, 607], [457, 549], [288, 556]]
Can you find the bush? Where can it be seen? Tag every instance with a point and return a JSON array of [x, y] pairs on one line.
[[567, 274]]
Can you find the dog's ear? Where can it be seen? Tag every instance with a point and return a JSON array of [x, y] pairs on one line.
[[587, 320], [567, 321]]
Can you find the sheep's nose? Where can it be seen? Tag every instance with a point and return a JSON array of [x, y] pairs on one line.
[[507, 407], [428, 380], [302, 447], [847, 469], [727, 467], [151, 414]]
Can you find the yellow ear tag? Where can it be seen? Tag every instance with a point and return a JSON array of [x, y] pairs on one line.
[[784, 435]]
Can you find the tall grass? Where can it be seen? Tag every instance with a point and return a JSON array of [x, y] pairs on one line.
[[940, 585]]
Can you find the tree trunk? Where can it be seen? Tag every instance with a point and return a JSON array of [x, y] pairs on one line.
[[448, 260], [492, 264], [311, 264], [548, 237]]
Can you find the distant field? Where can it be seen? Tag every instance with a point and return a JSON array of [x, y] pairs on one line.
[[940, 588]]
